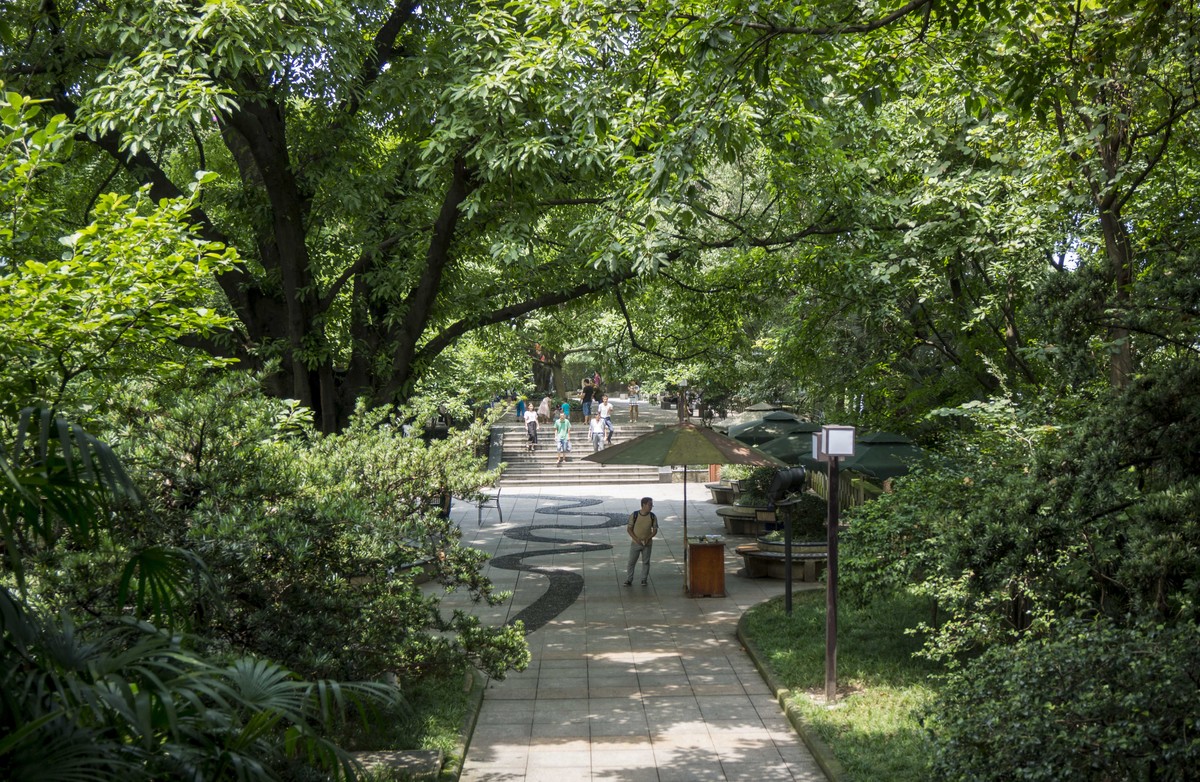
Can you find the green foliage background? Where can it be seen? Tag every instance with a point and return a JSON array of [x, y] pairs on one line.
[[968, 222]]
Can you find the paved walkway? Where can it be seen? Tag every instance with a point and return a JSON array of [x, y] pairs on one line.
[[626, 683]]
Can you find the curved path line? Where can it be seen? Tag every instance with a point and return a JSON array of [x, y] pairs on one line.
[[565, 585]]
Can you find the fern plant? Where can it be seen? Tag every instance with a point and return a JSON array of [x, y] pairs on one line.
[[118, 698]]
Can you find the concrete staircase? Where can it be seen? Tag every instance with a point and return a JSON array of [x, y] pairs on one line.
[[523, 468]]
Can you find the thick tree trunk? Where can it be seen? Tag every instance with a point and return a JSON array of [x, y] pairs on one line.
[[282, 299], [1120, 263]]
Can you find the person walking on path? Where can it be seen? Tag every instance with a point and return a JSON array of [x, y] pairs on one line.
[[531, 428], [587, 394], [634, 390], [605, 414], [562, 436], [521, 408], [596, 433], [642, 527], [543, 410]]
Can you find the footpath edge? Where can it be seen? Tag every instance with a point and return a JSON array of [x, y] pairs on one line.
[[834, 771], [453, 767]]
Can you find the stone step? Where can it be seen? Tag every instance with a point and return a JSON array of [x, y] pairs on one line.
[[523, 468]]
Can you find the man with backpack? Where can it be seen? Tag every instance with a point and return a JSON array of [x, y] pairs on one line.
[[642, 527]]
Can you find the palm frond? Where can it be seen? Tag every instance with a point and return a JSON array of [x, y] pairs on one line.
[[55, 477], [159, 577]]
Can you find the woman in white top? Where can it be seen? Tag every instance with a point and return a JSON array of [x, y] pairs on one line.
[[531, 427]]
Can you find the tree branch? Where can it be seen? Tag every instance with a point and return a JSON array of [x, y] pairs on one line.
[[636, 345], [145, 171], [356, 268], [864, 27], [451, 333], [1167, 128], [382, 49]]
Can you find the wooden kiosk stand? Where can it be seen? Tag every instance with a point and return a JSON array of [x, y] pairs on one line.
[[706, 569]]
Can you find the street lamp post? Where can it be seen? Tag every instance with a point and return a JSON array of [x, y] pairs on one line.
[[830, 445]]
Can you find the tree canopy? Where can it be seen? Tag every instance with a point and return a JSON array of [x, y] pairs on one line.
[[968, 221]]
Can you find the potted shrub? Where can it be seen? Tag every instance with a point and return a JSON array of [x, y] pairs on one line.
[[753, 488], [734, 474], [807, 513]]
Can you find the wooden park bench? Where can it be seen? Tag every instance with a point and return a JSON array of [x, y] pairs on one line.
[[771, 564], [722, 493], [745, 520]]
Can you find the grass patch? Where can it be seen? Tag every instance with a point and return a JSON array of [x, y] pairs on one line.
[[435, 709], [873, 729]]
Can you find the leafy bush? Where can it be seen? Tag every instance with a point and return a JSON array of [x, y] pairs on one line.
[[1064, 556], [130, 702], [735, 472], [315, 542], [1024, 523], [808, 514], [116, 698], [755, 485], [1090, 702]]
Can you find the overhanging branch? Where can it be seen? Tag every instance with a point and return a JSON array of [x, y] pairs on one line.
[[633, 340], [846, 29], [448, 335]]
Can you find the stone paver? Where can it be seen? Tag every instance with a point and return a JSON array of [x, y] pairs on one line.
[[626, 683]]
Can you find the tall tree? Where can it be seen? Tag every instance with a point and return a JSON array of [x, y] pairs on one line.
[[397, 174], [383, 189]]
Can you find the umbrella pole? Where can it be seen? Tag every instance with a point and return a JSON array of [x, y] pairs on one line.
[[685, 540], [687, 587]]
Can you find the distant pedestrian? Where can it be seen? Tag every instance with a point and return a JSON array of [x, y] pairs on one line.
[[605, 414], [543, 410], [521, 408], [642, 527], [634, 400], [596, 432], [566, 409], [562, 436], [531, 428]]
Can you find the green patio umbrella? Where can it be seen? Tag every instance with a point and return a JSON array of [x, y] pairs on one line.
[[795, 448], [769, 427], [763, 407], [683, 444], [883, 455]]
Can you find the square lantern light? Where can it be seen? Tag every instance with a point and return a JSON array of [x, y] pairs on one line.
[[837, 441], [833, 441]]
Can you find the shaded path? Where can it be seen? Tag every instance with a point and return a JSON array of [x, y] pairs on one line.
[[624, 684], [565, 586]]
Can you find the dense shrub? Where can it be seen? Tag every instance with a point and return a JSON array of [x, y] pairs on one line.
[[1064, 556], [808, 514], [1026, 522], [111, 698], [1090, 702], [310, 538], [755, 485]]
